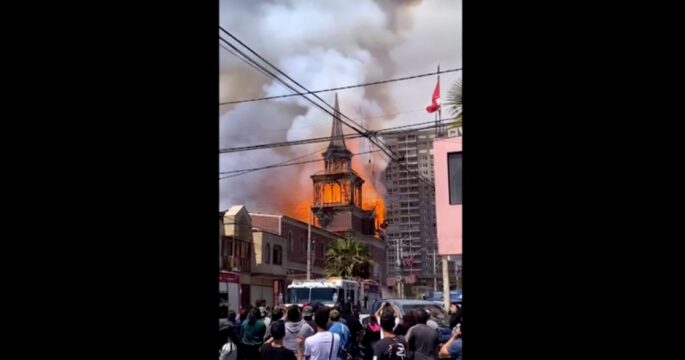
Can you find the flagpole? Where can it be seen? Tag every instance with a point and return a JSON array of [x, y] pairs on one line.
[[438, 113]]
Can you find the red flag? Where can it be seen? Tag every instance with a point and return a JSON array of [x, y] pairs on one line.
[[435, 104]]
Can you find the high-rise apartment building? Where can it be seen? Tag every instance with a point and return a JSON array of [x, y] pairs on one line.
[[410, 211]]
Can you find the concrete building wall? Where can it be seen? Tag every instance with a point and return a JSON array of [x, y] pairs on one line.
[[294, 235]]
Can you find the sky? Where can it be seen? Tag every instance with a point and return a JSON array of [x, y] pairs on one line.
[[324, 44]]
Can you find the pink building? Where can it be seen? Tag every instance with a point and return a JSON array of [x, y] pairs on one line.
[[447, 157]]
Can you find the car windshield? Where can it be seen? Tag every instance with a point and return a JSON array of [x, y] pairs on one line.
[[437, 314]]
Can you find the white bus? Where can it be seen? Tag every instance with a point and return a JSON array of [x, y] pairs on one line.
[[332, 291]]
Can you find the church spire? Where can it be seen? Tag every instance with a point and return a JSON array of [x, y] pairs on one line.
[[337, 139]]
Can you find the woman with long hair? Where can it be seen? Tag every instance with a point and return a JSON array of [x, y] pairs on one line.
[[252, 336]]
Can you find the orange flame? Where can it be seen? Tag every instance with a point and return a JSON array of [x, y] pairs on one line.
[[372, 197], [301, 210]]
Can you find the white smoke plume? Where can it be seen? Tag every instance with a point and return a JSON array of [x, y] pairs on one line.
[[324, 44]]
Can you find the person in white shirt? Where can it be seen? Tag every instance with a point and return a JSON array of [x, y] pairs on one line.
[[323, 345]]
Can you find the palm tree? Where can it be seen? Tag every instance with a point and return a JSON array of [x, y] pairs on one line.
[[348, 257], [453, 102]]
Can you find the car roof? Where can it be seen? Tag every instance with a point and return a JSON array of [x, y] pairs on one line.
[[407, 301]]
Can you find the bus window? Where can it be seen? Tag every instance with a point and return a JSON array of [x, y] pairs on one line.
[[351, 298], [341, 296]]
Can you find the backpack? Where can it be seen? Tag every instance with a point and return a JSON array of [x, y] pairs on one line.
[[343, 350], [394, 351], [229, 351]]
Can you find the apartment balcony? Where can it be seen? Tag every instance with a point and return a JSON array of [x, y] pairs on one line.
[[237, 264]]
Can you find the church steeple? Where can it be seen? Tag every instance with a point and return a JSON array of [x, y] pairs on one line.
[[337, 139], [336, 148], [337, 189]]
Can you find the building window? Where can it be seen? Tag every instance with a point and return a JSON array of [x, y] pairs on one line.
[[278, 255], [290, 241], [454, 175], [266, 257], [303, 245]]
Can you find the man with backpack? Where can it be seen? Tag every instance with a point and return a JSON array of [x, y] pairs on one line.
[[391, 347], [337, 327]]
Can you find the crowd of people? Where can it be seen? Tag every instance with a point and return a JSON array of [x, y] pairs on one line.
[[317, 332]]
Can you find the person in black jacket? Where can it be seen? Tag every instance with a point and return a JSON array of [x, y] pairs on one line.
[[354, 325]]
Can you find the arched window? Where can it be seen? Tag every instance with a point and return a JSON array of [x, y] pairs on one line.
[[266, 256], [278, 255], [335, 188]]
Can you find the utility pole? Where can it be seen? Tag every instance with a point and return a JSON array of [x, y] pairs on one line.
[[399, 264], [445, 282], [411, 257], [456, 272], [457, 268], [309, 244], [435, 276]]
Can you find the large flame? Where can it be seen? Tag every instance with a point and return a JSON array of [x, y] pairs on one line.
[[371, 201]]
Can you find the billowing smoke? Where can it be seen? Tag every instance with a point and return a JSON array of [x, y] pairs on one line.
[[324, 44]]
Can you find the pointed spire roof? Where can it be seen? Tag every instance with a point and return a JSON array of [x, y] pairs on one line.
[[337, 139]]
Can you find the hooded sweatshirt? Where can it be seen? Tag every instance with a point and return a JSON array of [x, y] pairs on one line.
[[293, 330]]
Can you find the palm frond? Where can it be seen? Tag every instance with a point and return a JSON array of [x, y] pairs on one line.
[[347, 257], [454, 101]]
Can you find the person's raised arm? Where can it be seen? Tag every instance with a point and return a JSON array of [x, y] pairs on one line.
[[444, 350], [378, 312]]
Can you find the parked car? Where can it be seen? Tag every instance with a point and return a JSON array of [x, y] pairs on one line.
[[437, 313]]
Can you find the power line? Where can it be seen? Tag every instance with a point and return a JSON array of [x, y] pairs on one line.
[[328, 138], [374, 140], [241, 58], [281, 80], [284, 143], [360, 119], [384, 147], [342, 87], [245, 171], [288, 163]]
